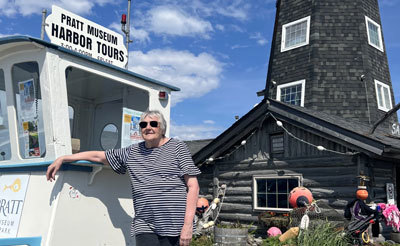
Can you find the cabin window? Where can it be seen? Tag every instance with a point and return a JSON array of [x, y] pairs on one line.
[[109, 137], [71, 112], [383, 96], [5, 146], [277, 147], [272, 192], [295, 34], [374, 34], [99, 104], [292, 93], [26, 86]]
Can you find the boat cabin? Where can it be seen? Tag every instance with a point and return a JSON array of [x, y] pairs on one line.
[[56, 101]]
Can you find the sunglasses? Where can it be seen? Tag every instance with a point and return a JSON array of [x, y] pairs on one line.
[[153, 123]]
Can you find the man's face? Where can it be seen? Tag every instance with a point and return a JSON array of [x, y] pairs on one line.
[[150, 133]]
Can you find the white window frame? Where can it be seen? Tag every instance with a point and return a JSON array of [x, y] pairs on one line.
[[256, 177], [303, 89], [283, 38], [367, 19], [385, 106]]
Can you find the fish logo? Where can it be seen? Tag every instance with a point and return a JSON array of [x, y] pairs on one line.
[[15, 187]]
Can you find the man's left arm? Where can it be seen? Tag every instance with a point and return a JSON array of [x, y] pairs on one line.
[[191, 202]]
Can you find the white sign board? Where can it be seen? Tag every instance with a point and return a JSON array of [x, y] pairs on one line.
[[395, 129], [390, 193], [130, 133], [86, 37], [12, 198]]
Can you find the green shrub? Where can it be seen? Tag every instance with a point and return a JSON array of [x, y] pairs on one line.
[[203, 240], [323, 234]]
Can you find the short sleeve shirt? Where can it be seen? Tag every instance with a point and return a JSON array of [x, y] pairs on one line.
[[158, 185]]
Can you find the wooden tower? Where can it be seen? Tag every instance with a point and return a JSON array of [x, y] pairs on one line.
[[330, 56]]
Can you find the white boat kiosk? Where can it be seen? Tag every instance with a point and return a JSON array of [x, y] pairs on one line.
[[55, 101]]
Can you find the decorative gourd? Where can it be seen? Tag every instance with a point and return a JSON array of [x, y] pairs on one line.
[[362, 194]]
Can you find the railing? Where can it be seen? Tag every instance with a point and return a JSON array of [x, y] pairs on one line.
[[30, 241]]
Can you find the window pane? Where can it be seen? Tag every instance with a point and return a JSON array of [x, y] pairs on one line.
[[277, 191], [373, 34], [292, 183], [380, 96], [5, 146], [387, 97], [109, 137], [261, 185], [282, 186], [26, 86], [291, 94], [283, 201], [271, 185], [296, 34], [71, 118], [262, 200], [271, 201]]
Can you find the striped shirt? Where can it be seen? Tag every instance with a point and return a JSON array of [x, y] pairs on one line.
[[158, 185]]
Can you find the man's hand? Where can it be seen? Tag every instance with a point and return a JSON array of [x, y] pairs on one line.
[[53, 169], [186, 235]]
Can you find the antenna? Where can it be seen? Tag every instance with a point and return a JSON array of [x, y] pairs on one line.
[[125, 27], [44, 14]]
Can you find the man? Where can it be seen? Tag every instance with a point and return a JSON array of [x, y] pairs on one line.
[[164, 182]]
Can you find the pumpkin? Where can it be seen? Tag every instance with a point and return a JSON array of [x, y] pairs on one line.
[[362, 194]]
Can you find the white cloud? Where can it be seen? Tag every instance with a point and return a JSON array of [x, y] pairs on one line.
[[388, 2], [220, 27], [260, 39], [238, 9], [196, 75], [208, 122], [137, 35], [194, 132], [238, 46], [29, 7], [173, 21]]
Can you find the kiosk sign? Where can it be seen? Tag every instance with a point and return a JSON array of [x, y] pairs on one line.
[[86, 37], [12, 199]]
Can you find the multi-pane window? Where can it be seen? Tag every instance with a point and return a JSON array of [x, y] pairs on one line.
[[292, 93], [295, 34], [383, 96], [271, 193], [374, 33]]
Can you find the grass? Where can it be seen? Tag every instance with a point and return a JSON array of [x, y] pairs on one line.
[[323, 234], [203, 240]]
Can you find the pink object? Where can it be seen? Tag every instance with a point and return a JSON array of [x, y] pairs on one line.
[[274, 231], [392, 215]]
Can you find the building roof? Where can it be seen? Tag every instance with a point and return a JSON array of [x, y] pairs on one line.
[[350, 133], [196, 145], [16, 39]]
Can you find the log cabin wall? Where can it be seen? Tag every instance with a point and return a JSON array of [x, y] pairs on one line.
[[330, 177], [381, 173]]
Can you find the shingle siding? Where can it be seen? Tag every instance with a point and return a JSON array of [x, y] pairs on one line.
[[337, 55]]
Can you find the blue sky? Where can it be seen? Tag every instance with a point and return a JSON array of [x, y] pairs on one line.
[[216, 51]]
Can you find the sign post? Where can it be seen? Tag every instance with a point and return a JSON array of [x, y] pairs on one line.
[[86, 37]]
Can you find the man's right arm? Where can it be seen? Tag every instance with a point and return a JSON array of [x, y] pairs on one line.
[[94, 156]]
